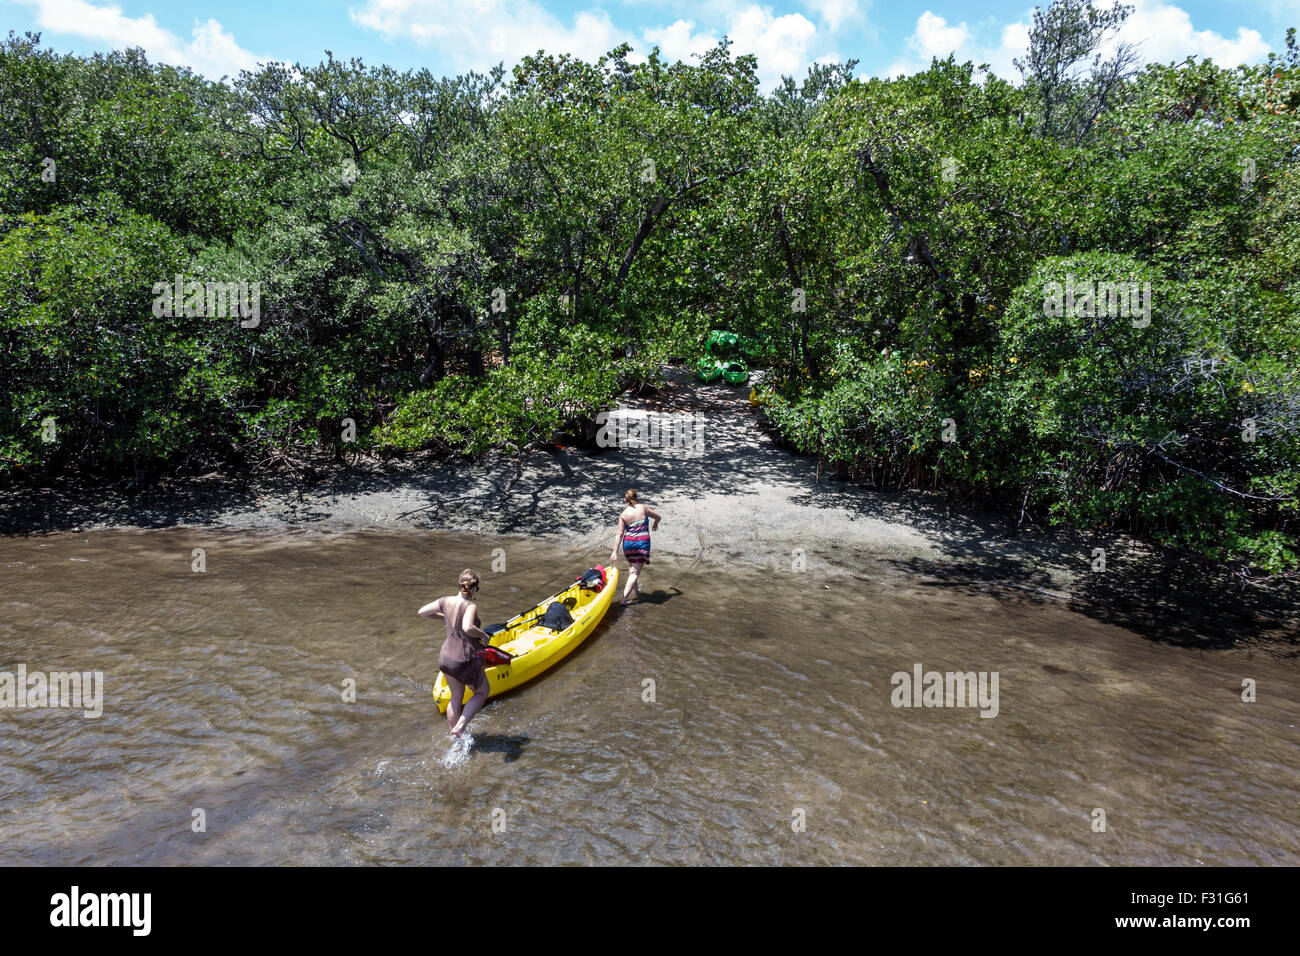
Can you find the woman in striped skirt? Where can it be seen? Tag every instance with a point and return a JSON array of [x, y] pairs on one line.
[[634, 534]]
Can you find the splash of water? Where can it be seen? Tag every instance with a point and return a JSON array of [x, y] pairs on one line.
[[458, 753]]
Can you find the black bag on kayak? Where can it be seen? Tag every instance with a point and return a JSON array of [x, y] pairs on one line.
[[557, 617], [593, 579]]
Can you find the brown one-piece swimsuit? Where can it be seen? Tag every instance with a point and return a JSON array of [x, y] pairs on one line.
[[458, 656]]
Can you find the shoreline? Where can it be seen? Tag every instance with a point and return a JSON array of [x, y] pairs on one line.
[[741, 500]]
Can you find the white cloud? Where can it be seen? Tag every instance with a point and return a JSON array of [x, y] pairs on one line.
[[211, 50], [1285, 13], [780, 43], [478, 34], [933, 36], [1013, 44], [835, 12], [1161, 31], [1164, 32], [678, 41]]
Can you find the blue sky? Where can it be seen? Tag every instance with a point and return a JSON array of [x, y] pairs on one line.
[[219, 37]]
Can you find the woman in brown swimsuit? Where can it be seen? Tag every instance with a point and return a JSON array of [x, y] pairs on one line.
[[458, 658]]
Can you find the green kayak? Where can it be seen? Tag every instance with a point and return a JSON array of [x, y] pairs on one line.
[[735, 372], [708, 370]]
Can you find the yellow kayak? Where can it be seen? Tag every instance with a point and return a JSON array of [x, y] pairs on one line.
[[537, 648]]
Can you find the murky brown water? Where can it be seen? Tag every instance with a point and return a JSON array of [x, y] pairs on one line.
[[223, 691]]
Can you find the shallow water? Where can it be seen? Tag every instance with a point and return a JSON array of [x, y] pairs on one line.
[[223, 692]]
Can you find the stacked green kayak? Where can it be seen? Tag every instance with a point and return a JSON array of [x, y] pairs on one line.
[[718, 363], [720, 342]]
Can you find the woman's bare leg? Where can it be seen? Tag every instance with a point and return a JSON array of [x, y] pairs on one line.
[[472, 707], [453, 708], [631, 582]]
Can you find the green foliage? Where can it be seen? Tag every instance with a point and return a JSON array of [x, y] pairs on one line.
[[516, 405], [474, 263], [82, 347], [1083, 422]]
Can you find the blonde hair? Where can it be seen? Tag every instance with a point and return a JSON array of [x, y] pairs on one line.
[[629, 496], [468, 579]]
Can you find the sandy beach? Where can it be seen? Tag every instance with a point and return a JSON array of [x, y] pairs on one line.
[[732, 497]]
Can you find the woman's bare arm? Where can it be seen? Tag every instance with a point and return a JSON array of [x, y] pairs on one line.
[[467, 624], [433, 609], [613, 555], [653, 514]]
